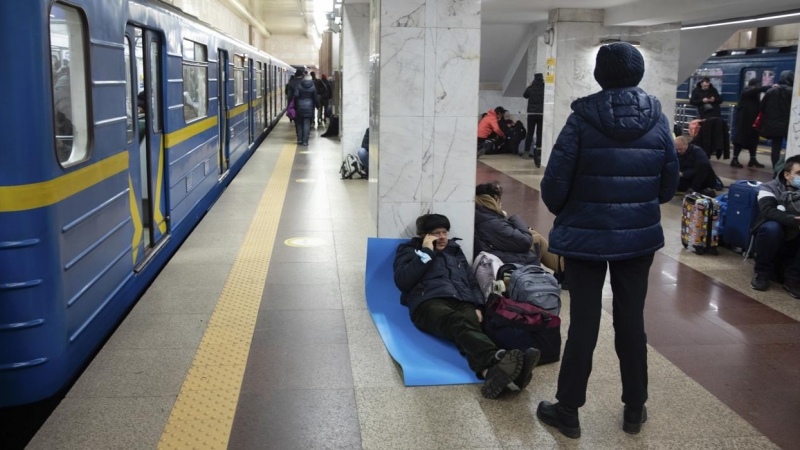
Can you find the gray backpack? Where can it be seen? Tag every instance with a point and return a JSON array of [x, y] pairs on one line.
[[536, 286]]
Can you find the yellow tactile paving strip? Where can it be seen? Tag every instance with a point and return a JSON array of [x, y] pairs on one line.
[[202, 417]]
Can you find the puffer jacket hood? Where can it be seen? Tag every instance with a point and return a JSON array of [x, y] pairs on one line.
[[621, 114], [446, 275], [786, 78], [612, 165]]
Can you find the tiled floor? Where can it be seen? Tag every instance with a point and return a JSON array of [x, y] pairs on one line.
[[710, 326], [319, 376]]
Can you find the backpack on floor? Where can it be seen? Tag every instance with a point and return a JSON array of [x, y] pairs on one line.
[[484, 268], [532, 284], [352, 166], [517, 325]]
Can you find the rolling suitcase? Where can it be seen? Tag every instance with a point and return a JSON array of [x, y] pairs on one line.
[[742, 212], [700, 224]]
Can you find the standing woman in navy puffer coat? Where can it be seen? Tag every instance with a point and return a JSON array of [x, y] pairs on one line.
[[305, 103], [612, 166]]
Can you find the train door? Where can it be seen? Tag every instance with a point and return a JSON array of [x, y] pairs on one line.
[[250, 97], [146, 147], [222, 113]]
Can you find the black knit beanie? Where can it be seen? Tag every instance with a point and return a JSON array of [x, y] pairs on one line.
[[618, 65], [429, 222]]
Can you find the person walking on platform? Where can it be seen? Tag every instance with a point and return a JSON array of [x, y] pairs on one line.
[[535, 95], [291, 86], [305, 102], [613, 164], [746, 114], [776, 106]]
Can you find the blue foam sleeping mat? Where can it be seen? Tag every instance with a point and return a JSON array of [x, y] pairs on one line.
[[426, 360]]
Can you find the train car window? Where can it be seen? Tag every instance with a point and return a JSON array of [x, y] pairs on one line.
[[238, 79], [155, 82], [768, 78], [128, 90], [195, 81], [70, 92], [713, 74], [259, 82], [747, 76]]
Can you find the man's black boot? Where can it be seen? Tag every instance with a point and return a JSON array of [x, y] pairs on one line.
[[562, 417], [735, 163], [759, 282], [633, 418]]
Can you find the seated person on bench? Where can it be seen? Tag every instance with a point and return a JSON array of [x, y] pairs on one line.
[[778, 232], [696, 172], [444, 300], [508, 238]]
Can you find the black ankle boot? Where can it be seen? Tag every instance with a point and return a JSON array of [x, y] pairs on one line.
[[633, 418], [735, 163], [754, 163], [562, 417]]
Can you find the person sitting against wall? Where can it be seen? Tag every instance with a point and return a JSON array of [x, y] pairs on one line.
[[707, 99], [363, 152], [444, 299], [778, 232], [696, 172], [489, 128], [508, 238]]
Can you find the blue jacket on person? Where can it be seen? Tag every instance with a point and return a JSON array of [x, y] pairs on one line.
[[612, 166]]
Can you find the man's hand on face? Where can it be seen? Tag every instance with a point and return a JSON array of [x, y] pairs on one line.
[[428, 241]]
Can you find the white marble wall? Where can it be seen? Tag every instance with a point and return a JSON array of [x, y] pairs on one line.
[[575, 48], [425, 62], [793, 139], [354, 118]]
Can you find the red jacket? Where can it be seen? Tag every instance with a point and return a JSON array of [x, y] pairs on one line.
[[488, 125]]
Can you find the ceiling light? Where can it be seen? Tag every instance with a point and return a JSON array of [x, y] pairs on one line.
[[737, 21], [613, 41]]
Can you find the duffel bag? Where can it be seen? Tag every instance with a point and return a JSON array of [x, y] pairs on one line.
[[516, 325]]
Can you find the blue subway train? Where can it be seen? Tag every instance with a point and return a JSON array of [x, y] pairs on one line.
[[729, 72], [122, 122]]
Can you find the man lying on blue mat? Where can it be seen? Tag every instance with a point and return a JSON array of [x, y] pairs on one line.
[[444, 300]]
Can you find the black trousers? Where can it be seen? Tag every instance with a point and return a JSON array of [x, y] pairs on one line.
[[457, 321], [737, 148], [777, 146], [703, 178], [629, 283], [534, 121]]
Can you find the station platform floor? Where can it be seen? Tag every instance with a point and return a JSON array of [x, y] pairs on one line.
[[245, 341]]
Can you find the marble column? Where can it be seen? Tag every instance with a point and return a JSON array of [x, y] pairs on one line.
[[354, 118], [575, 40], [424, 70], [793, 139]]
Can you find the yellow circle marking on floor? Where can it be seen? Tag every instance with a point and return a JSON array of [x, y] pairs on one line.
[[305, 180], [202, 416], [304, 242]]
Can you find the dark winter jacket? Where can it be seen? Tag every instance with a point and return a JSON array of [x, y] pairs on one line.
[[365, 141], [305, 99], [714, 137], [776, 107], [770, 208], [446, 275], [322, 89], [689, 161], [614, 162], [535, 95], [291, 86], [710, 109], [746, 112], [507, 238]]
